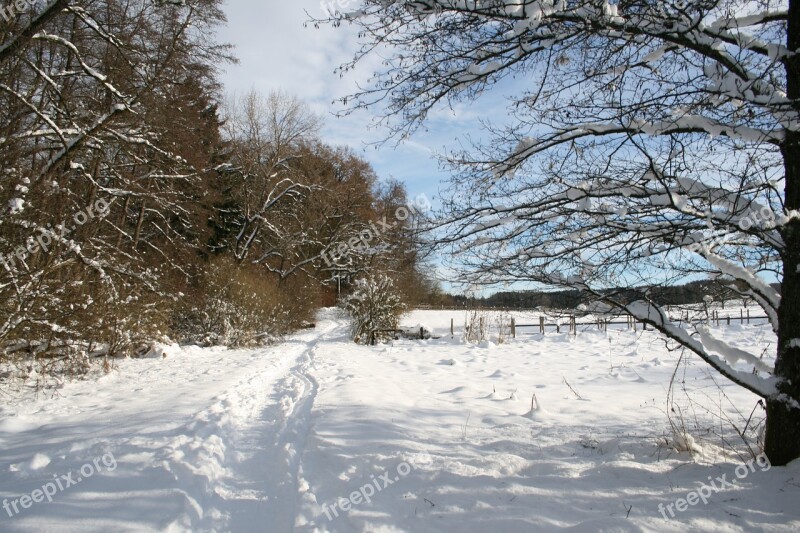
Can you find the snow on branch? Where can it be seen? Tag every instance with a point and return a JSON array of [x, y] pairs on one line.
[[731, 354], [771, 296], [704, 346], [48, 12], [75, 142]]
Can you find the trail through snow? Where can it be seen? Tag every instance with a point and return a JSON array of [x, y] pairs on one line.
[[231, 466], [539, 433]]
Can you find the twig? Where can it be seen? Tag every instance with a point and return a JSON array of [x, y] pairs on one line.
[[578, 396]]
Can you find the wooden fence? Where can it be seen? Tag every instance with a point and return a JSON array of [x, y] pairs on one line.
[[630, 322], [602, 323]]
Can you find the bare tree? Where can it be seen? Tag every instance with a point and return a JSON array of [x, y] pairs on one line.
[[265, 134], [644, 141]]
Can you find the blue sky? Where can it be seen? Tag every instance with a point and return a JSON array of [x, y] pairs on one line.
[[277, 52]]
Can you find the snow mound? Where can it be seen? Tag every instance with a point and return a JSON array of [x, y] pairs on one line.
[[162, 351], [537, 412], [413, 332], [682, 441], [38, 461]]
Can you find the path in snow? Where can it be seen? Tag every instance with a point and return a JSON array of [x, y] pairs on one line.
[[205, 440], [271, 439]]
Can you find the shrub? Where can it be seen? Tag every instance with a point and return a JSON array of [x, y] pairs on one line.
[[373, 305], [242, 305]]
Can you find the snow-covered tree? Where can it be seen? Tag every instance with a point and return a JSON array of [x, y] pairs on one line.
[[289, 200], [644, 140], [373, 305], [265, 133], [107, 136]]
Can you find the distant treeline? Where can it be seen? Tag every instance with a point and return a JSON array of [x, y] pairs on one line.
[[689, 293]]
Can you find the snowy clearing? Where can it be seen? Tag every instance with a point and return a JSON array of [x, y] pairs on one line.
[[437, 435]]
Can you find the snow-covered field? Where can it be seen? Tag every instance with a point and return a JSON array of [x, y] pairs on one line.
[[318, 434]]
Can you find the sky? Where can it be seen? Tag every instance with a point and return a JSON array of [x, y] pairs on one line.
[[276, 52]]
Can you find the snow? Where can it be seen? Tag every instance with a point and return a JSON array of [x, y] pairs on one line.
[[766, 386], [536, 433], [160, 351], [16, 205], [731, 354]]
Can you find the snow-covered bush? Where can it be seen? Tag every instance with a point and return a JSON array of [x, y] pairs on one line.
[[374, 304], [241, 306]]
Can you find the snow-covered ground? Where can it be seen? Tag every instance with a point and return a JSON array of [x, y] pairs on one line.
[[318, 434]]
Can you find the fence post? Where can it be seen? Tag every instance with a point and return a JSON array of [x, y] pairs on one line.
[[748, 315], [741, 315], [421, 333], [513, 328], [541, 325], [451, 328], [728, 319], [573, 326]]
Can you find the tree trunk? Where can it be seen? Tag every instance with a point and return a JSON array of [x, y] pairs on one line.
[[783, 420]]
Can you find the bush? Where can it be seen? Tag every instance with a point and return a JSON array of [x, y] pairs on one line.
[[96, 321], [373, 305], [243, 306]]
